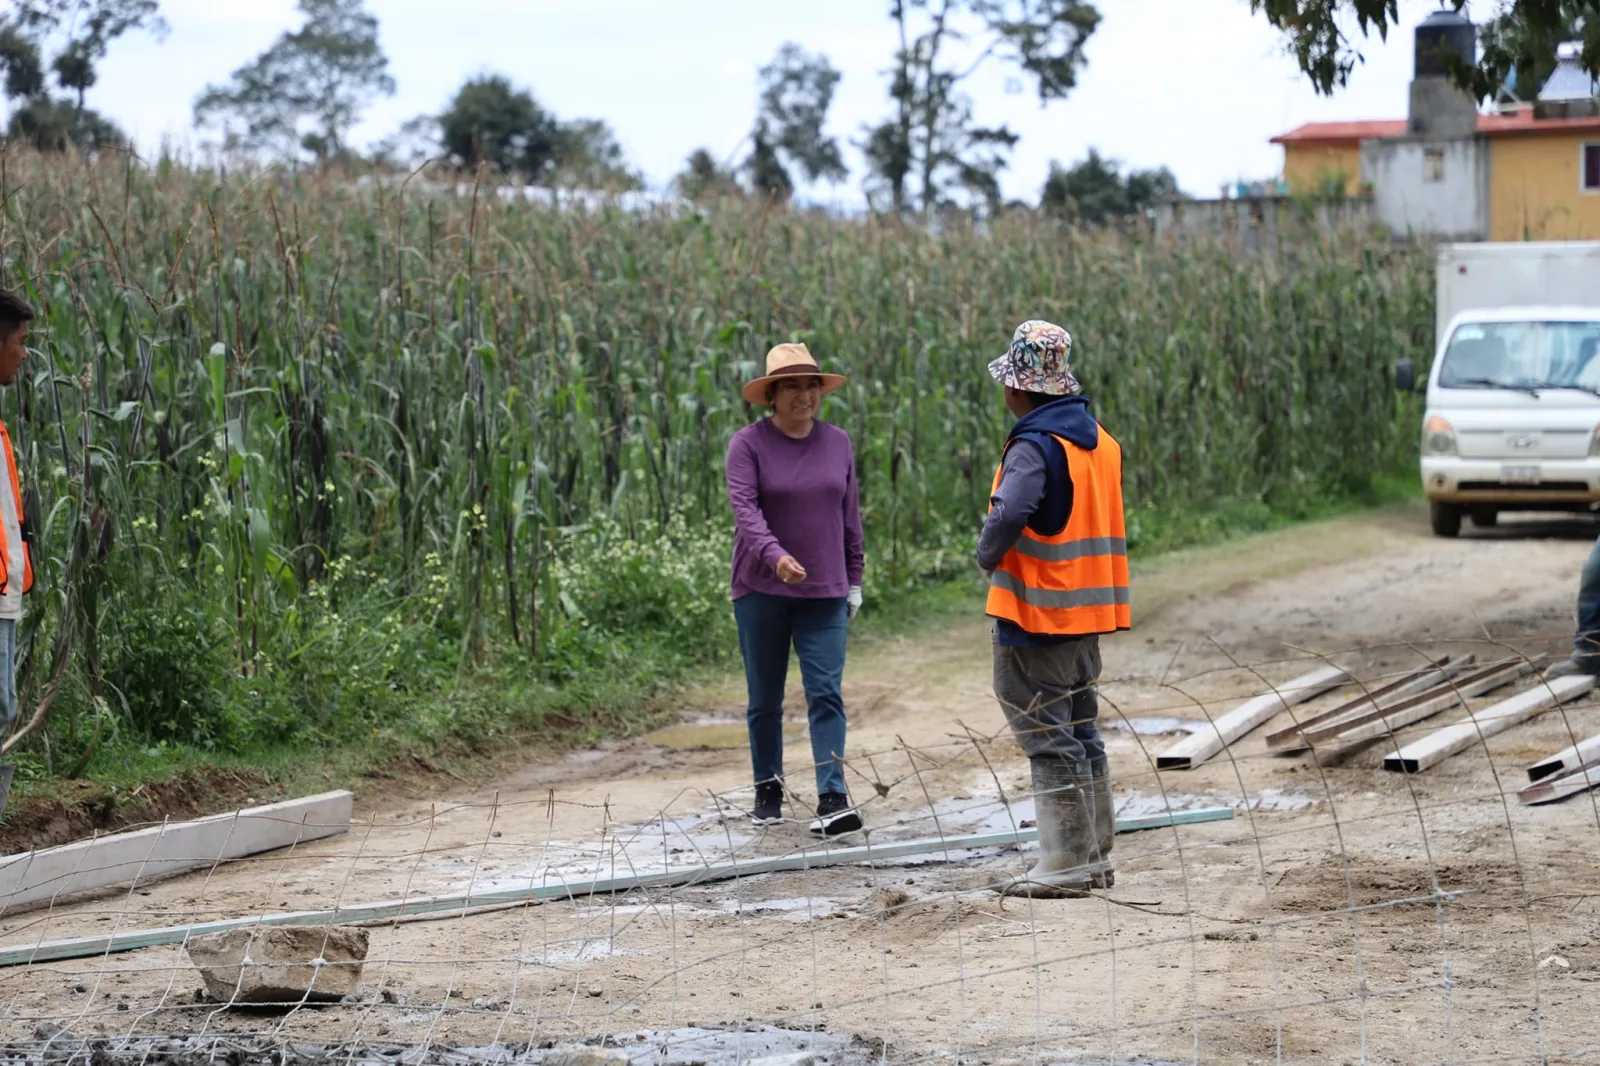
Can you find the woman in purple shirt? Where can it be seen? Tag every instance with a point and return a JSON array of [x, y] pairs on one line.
[[797, 563]]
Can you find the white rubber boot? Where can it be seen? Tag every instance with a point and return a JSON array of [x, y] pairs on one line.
[[1064, 812], [1105, 822]]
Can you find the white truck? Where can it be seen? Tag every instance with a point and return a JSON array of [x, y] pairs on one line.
[[1513, 396]]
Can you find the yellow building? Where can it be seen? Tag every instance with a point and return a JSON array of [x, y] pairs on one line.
[[1544, 178], [1526, 173], [1322, 158], [1542, 174]]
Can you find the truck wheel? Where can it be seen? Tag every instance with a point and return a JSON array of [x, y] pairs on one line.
[[1485, 517], [1445, 519]]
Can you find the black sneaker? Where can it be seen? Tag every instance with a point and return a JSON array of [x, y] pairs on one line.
[[769, 804], [835, 815]]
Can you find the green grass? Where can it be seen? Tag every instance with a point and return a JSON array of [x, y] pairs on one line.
[[464, 733], [1167, 532]]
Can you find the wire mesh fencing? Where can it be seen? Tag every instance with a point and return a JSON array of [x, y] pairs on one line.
[[1296, 895]]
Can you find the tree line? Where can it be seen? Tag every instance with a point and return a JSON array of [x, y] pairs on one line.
[[303, 95]]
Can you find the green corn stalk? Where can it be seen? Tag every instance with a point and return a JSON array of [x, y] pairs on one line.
[[327, 370]]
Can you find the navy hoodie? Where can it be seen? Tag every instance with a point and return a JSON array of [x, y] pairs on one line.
[[1040, 499]]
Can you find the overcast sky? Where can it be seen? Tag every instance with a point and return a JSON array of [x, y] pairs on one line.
[[1196, 85]]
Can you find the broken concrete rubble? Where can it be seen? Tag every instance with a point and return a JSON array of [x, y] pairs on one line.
[[280, 964]]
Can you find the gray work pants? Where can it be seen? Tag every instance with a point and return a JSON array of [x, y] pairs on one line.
[[1049, 698]]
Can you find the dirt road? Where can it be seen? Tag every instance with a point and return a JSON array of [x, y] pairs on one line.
[[1345, 914]]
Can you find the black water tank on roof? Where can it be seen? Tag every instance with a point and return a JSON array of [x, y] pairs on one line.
[[1444, 33]]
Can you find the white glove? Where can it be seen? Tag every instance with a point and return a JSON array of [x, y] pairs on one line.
[[853, 601]]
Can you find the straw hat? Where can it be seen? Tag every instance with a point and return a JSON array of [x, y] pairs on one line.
[[788, 360]]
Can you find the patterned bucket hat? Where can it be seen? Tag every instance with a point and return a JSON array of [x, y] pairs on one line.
[[1038, 361]]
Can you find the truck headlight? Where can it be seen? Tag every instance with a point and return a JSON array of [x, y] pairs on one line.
[[1439, 437], [1594, 441]]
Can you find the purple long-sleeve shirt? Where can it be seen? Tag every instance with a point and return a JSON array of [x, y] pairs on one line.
[[794, 497]]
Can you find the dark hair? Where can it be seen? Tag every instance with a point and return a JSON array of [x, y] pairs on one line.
[[1036, 400], [14, 311]]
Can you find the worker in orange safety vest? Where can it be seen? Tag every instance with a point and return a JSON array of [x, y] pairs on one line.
[[16, 557], [1055, 549]]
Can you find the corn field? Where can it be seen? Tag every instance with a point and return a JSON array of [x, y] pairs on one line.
[[290, 422]]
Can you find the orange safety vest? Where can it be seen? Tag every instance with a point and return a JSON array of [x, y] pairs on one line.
[[22, 524], [1074, 583]]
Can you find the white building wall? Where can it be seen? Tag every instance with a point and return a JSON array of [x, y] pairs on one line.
[[1449, 198]]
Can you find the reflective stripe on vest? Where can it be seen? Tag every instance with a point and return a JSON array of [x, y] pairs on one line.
[[6, 548], [1076, 582]]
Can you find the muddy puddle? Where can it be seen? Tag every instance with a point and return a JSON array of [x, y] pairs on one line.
[[687, 1046], [714, 733], [717, 733], [720, 834], [1152, 726], [793, 910], [982, 810]]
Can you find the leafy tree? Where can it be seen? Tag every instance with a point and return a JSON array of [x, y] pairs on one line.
[[24, 72], [1521, 56], [889, 158], [53, 125], [309, 88], [1092, 190], [971, 156], [1096, 191], [75, 70], [1522, 38], [703, 178], [490, 121], [796, 91], [588, 156], [929, 147], [416, 140], [1146, 187], [79, 34], [768, 176]]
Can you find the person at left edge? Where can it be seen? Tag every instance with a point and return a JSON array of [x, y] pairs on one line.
[[797, 565], [16, 556]]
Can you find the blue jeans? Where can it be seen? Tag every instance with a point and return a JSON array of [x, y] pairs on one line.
[[1586, 645], [818, 630]]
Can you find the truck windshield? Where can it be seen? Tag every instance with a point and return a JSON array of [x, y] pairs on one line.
[[1523, 355]]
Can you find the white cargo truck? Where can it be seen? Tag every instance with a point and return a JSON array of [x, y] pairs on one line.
[[1513, 396]]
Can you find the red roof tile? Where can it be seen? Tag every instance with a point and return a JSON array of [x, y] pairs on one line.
[[1523, 122], [1335, 132], [1352, 133]]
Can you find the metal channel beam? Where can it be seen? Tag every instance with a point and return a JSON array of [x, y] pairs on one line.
[[1582, 754], [1382, 723], [1403, 687], [1213, 737], [1443, 743], [1552, 789], [82, 947]]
